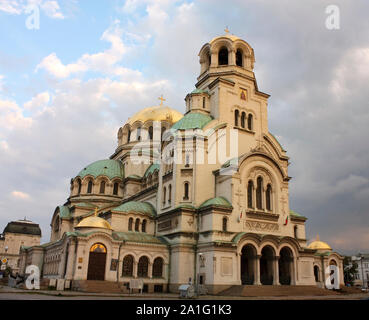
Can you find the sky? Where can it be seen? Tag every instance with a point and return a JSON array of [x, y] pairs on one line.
[[69, 83]]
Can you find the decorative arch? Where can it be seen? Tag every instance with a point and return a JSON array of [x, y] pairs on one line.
[[127, 265], [157, 270], [143, 267]]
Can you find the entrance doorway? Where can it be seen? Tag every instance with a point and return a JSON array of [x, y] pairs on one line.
[[248, 261], [266, 265], [285, 265], [97, 262]]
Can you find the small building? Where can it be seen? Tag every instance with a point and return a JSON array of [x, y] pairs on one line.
[[15, 235], [362, 274]]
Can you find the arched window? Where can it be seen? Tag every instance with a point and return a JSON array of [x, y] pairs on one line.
[[249, 121], [223, 56], [157, 268], [186, 189], [129, 136], [203, 102], [138, 133], [224, 226], [164, 195], [150, 133], [236, 115], [295, 232], [316, 273], [239, 60], [137, 225], [170, 193], [259, 190], [250, 189], [130, 224], [209, 59], [143, 226], [143, 267], [127, 266], [102, 187], [115, 189], [162, 132], [79, 186], [268, 197], [89, 186], [243, 117]]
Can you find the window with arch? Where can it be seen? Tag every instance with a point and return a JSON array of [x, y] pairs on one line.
[[203, 102], [151, 133], [316, 273], [89, 186], [186, 191], [268, 197], [157, 268], [130, 224], [170, 193], [239, 58], [224, 224], [115, 188], [102, 187], [223, 56], [129, 136], [250, 189], [137, 225], [79, 186], [249, 121], [259, 191], [143, 267], [236, 115], [138, 134], [162, 132], [127, 270], [143, 226], [243, 117], [164, 195], [295, 229]]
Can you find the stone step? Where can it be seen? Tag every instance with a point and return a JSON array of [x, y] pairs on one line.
[[98, 286], [259, 291]]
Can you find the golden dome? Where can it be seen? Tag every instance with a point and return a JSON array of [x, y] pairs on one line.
[[94, 222], [228, 36], [156, 113], [319, 245]]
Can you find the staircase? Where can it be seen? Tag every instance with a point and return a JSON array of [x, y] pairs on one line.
[[97, 286], [275, 291]]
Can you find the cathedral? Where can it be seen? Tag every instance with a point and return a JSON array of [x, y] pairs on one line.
[[200, 197]]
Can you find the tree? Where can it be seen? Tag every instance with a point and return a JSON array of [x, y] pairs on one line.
[[350, 269]]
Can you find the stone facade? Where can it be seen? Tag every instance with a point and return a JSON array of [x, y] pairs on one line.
[[200, 197]]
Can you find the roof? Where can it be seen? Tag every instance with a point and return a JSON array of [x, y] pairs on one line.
[[227, 36], [94, 222], [137, 237], [23, 227], [198, 91], [135, 206], [319, 245], [217, 202], [192, 120], [108, 167], [296, 215], [156, 113], [151, 169], [64, 212]]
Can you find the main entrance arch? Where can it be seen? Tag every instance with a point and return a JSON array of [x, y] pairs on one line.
[[267, 265], [97, 262], [285, 265], [248, 264]]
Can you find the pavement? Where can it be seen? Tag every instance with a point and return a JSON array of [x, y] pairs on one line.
[[8, 293]]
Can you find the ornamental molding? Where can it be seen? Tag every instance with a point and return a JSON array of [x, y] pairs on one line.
[[261, 226]]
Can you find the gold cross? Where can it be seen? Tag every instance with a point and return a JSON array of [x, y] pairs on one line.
[[161, 100], [226, 29]]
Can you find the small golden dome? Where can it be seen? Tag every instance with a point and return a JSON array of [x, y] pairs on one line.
[[228, 36], [156, 113], [94, 222], [319, 245]]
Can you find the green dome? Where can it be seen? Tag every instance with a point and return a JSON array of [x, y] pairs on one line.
[[135, 206], [192, 120], [150, 170], [217, 202], [109, 168]]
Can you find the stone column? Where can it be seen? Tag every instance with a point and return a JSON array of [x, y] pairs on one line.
[[257, 270], [135, 263], [293, 271], [70, 263], [150, 270], [276, 271]]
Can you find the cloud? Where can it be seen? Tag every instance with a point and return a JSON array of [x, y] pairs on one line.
[[17, 7], [20, 195], [38, 103]]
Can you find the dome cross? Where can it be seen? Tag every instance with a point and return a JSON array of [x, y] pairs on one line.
[[161, 100]]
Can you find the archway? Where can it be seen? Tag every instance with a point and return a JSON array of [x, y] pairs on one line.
[[248, 267], [285, 265], [316, 273], [97, 262], [266, 265]]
